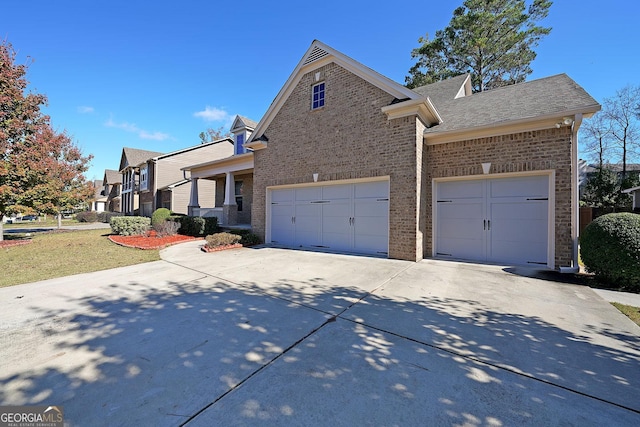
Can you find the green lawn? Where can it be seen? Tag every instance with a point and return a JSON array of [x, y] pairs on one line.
[[49, 222], [58, 254], [632, 313]]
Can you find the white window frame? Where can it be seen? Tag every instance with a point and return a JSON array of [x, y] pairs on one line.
[[321, 99], [144, 177]]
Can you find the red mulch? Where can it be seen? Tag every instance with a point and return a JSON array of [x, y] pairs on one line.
[[150, 241], [10, 243]]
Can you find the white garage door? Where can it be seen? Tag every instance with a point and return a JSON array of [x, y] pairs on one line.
[[498, 220], [343, 217]]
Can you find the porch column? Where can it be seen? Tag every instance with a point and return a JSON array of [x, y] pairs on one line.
[[193, 200], [229, 209]]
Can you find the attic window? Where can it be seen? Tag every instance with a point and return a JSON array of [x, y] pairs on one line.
[[317, 96]]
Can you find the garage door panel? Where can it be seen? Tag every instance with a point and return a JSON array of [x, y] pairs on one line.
[[534, 253], [363, 208], [337, 192], [278, 196], [520, 209], [308, 194], [460, 190], [307, 224], [372, 190], [461, 248], [343, 217], [530, 186], [282, 224], [494, 219]]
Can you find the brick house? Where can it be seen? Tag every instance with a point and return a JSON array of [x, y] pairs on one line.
[[347, 160]]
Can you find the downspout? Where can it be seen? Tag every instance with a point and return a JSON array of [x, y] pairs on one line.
[[575, 207], [155, 206]]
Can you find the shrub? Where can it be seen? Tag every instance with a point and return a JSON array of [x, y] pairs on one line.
[[248, 238], [222, 239], [87, 216], [196, 225], [610, 248], [130, 225], [160, 215], [166, 228], [106, 216]]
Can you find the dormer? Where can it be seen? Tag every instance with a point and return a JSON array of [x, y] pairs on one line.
[[241, 129]]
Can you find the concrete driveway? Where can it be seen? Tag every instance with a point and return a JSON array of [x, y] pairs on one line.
[[271, 336]]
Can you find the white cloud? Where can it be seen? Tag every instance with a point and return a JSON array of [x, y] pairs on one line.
[[83, 109], [132, 128], [213, 114]]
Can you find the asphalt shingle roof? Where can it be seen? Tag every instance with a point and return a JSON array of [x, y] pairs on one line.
[[112, 177], [537, 98], [134, 156]]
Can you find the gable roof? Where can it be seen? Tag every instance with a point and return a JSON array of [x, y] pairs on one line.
[[135, 157], [192, 148], [241, 122], [112, 177], [548, 98], [448, 89], [318, 55]]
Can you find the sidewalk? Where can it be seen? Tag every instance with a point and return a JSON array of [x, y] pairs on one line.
[[626, 298]]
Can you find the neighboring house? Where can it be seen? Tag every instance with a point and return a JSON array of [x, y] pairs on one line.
[[99, 199], [346, 159], [233, 177], [134, 171], [635, 194], [153, 180], [112, 182], [170, 188]]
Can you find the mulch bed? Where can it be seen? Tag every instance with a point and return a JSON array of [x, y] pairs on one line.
[[10, 243], [206, 248], [150, 241]]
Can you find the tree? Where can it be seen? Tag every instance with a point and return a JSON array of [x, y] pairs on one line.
[[493, 40], [602, 189], [621, 113], [213, 135], [597, 137], [40, 170]]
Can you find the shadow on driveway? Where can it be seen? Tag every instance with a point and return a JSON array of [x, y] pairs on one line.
[[213, 352]]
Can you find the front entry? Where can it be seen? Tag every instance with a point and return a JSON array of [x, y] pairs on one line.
[[501, 220]]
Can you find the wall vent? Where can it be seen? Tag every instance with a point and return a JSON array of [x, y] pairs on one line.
[[314, 55]]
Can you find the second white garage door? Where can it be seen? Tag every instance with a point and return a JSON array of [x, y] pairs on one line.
[[499, 220], [342, 217]]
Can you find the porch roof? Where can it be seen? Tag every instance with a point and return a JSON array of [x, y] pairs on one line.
[[236, 163]]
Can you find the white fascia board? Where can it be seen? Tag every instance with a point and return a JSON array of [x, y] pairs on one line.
[[423, 108], [501, 128]]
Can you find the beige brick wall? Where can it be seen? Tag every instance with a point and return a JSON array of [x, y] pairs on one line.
[[348, 138], [520, 152]]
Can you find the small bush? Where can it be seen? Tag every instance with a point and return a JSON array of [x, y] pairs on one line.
[[87, 216], [130, 225], [195, 225], [106, 216], [222, 239], [248, 238], [160, 215], [166, 228], [610, 248]]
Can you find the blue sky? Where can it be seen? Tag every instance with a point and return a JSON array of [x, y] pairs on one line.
[[153, 75]]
